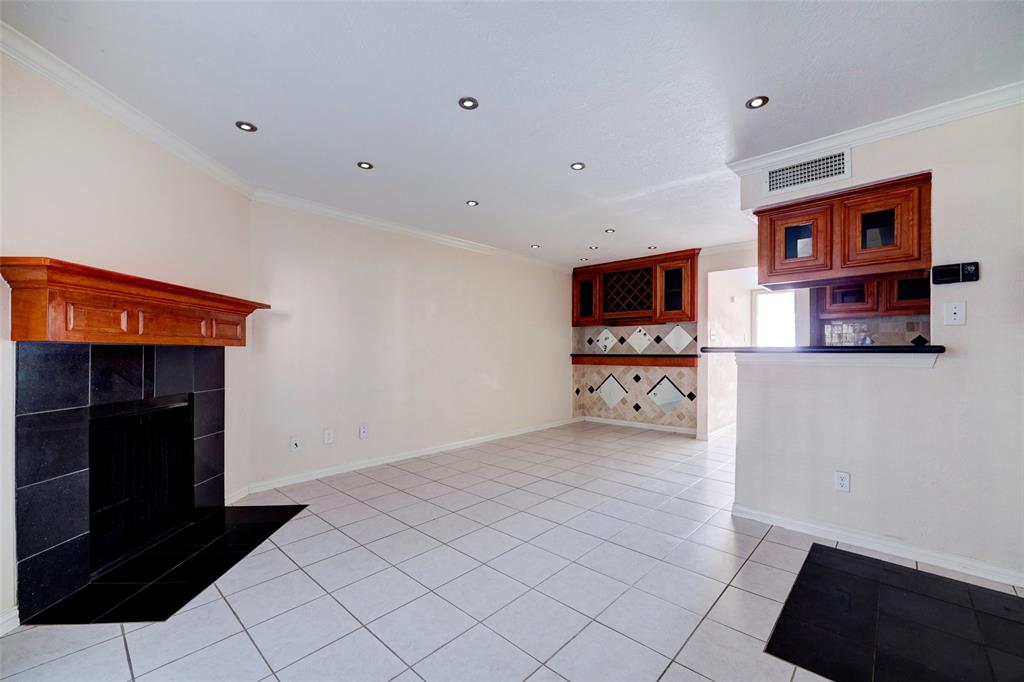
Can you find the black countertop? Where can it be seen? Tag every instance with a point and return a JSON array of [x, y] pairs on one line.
[[635, 355], [824, 349]]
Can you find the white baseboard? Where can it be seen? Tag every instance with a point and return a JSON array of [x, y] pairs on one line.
[[9, 620], [883, 544], [641, 425], [260, 486]]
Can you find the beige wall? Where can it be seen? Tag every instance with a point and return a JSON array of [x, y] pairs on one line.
[[936, 456], [427, 343], [729, 316], [714, 259]]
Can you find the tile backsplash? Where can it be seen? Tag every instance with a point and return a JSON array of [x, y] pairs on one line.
[[882, 331], [645, 339], [665, 396]]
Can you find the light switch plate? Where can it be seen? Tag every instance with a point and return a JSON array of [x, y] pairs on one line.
[[954, 313]]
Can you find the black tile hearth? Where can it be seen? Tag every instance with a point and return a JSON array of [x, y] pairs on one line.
[[209, 368], [156, 583], [174, 371], [56, 386], [53, 443], [51, 512], [115, 374], [852, 618], [209, 412], [51, 376]]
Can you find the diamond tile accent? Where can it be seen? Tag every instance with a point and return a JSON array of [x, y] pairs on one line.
[[640, 339], [637, 378], [691, 396], [919, 341], [636, 407], [678, 339], [665, 394], [657, 339], [605, 341], [611, 391]]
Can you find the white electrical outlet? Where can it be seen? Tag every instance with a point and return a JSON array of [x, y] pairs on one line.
[[843, 481], [954, 313], [328, 436], [295, 444], [364, 431]]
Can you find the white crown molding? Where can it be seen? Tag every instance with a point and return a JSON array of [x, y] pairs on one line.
[[972, 105], [881, 543], [314, 208], [728, 248], [30, 54]]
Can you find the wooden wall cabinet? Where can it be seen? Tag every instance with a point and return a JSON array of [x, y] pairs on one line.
[[586, 299], [880, 230], [653, 289], [903, 296]]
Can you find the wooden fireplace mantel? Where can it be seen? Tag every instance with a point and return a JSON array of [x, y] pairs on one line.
[[54, 300]]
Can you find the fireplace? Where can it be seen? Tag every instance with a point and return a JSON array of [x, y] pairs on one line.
[[115, 446], [140, 475]]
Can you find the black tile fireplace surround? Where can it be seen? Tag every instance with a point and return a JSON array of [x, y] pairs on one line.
[[60, 390]]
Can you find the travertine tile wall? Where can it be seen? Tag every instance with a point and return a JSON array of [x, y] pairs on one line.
[[666, 396], [653, 339], [883, 331]]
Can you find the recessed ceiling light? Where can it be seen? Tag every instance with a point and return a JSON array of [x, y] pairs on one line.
[[592, 247], [365, 165], [534, 246], [579, 165], [652, 248], [756, 102], [584, 260], [246, 126], [472, 203], [469, 103], [610, 231]]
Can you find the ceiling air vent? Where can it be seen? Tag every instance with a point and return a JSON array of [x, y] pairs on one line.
[[810, 172]]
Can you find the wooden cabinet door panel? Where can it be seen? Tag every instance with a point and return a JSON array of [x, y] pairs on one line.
[[881, 228], [797, 241], [675, 291], [906, 296], [167, 322], [848, 300], [75, 316], [586, 299]]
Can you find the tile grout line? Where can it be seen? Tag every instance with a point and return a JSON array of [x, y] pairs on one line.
[[244, 628], [127, 652]]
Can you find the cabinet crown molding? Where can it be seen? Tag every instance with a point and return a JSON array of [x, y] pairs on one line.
[[55, 300]]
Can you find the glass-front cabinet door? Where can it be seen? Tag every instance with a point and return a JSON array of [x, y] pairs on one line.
[[674, 292], [586, 296], [799, 241], [848, 300], [908, 296], [881, 228]]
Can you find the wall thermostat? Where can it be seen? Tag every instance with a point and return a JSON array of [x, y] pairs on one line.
[[956, 272]]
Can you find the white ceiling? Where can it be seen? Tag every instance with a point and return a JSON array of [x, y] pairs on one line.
[[649, 95]]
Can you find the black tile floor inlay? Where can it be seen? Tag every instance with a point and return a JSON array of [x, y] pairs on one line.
[[154, 584], [854, 618]]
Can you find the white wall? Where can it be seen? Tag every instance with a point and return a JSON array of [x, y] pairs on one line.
[[936, 456], [714, 259], [430, 344], [425, 343], [729, 316]]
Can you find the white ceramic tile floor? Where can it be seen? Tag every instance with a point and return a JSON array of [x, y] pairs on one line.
[[584, 552]]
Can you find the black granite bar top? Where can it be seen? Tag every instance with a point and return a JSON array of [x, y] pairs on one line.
[[824, 349], [635, 355]]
